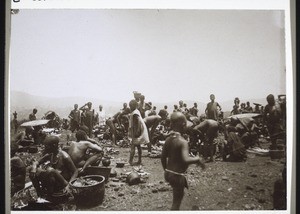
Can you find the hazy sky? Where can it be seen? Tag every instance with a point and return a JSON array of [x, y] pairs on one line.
[[165, 54]]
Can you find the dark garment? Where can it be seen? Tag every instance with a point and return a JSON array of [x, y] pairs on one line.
[[32, 117], [18, 173], [234, 150], [89, 121], [212, 110], [175, 180], [193, 111]]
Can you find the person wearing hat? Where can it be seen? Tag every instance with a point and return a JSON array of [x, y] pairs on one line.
[[51, 173]]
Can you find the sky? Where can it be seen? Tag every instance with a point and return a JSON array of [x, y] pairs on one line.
[[166, 55]]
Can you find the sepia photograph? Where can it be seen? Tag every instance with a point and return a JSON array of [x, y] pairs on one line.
[[148, 110]]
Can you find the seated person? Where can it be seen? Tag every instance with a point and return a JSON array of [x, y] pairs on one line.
[[233, 149], [22, 140], [78, 151], [50, 174], [17, 169]]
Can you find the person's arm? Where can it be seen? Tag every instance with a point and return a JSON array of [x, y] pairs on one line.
[[35, 164], [219, 106], [136, 129], [185, 154], [69, 164], [164, 155], [93, 146]]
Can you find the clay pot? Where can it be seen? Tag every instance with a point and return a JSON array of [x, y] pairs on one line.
[[105, 162], [133, 178]]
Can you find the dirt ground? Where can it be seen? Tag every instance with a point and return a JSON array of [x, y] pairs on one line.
[[221, 186]]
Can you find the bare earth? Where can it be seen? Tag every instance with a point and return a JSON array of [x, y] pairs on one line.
[[221, 186]]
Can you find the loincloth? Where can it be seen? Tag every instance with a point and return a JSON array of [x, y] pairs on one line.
[[175, 179]]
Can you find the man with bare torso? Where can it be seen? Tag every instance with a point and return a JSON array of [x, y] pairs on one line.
[[51, 174], [152, 122], [175, 158], [78, 151], [209, 129]]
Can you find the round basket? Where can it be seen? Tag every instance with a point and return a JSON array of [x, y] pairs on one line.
[[91, 195]]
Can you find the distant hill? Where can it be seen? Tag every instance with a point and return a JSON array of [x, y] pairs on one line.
[[23, 103]]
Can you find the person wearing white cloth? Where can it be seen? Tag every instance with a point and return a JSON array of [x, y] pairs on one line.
[[137, 132]]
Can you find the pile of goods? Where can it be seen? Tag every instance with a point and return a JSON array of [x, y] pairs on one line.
[[84, 182]]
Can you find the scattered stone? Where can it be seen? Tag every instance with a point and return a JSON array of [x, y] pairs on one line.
[[116, 189], [229, 189], [163, 189], [154, 190], [225, 178], [220, 190], [253, 175], [134, 192], [159, 206], [115, 179], [248, 187], [121, 194], [261, 200], [161, 182], [195, 207], [114, 184]]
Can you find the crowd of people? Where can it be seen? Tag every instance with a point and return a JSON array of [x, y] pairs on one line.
[[189, 138]]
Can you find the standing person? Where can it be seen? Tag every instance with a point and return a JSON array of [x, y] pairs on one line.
[[148, 108], [101, 116], [57, 170], [163, 112], [249, 109], [176, 108], [142, 106], [212, 109], [32, 116], [15, 122], [75, 118], [153, 111], [137, 132], [175, 158], [181, 107], [273, 118], [194, 110], [89, 115]]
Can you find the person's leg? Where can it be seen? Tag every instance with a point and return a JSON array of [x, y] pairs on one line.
[[55, 181], [132, 151], [178, 194], [35, 179], [91, 160], [139, 154]]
